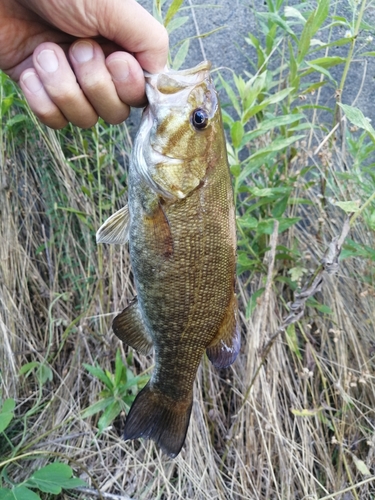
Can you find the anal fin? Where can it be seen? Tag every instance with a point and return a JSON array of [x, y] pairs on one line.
[[129, 327], [227, 343]]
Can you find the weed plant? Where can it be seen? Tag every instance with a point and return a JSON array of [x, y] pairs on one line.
[[294, 417]]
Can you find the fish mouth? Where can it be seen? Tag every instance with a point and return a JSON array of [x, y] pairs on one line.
[[171, 81], [204, 66]]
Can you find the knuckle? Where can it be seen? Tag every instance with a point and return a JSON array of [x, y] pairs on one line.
[[52, 119], [88, 123], [117, 118]]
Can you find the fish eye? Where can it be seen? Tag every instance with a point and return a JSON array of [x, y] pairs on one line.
[[199, 119]]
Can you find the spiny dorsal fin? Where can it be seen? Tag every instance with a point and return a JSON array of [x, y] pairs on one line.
[[115, 229], [130, 328]]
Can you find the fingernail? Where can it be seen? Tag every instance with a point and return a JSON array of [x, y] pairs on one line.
[[48, 60], [118, 68], [83, 51], [31, 81]]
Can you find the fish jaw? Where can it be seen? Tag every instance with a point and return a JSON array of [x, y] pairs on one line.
[[143, 157]]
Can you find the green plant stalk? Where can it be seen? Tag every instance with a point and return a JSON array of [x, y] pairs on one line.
[[350, 488], [350, 54], [355, 216], [100, 248]]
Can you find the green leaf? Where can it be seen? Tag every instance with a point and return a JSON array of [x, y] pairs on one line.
[[371, 221], [6, 413], [311, 302], [6, 103], [247, 222], [269, 192], [177, 23], [172, 11], [304, 42], [276, 145], [86, 191], [348, 206], [320, 15], [280, 121], [100, 374], [267, 226], [181, 55], [361, 466], [280, 207], [292, 340], [292, 12], [119, 368], [96, 407], [275, 18], [356, 116], [44, 374], [53, 478], [236, 170], [232, 96], [320, 69], [237, 132], [19, 118], [18, 493], [28, 368], [277, 97], [296, 273], [109, 415]]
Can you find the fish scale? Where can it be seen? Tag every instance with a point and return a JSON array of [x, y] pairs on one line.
[[181, 226]]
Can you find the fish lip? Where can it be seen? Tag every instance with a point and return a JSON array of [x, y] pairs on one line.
[[203, 66], [179, 80]]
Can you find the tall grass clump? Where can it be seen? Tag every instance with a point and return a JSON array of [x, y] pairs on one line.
[[294, 417]]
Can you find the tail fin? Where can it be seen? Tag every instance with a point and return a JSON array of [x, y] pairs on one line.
[[155, 416]]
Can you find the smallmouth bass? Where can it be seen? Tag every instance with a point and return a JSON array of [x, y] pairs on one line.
[[180, 223]]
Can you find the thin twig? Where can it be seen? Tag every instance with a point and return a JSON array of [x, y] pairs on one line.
[[328, 136], [197, 30], [270, 257], [96, 493]]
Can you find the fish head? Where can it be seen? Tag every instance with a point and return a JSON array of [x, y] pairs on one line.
[[179, 130]]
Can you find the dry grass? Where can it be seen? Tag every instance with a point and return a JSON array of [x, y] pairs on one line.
[[301, 426], [297, 432]]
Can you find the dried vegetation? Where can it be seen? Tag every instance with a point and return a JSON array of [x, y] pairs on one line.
[[293, 421]]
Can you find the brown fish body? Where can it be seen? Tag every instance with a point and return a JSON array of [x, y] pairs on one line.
[[182, 247]]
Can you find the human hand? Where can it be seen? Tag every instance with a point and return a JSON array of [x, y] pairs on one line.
[[67, 75]]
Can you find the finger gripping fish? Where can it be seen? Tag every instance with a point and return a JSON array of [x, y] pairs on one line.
[[180, 224]]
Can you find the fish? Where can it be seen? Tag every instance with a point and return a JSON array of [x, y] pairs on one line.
[[181, 228]]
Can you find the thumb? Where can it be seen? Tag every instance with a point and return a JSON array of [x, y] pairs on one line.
[[128, 24]]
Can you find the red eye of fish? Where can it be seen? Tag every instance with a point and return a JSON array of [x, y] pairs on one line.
[[199, 119]]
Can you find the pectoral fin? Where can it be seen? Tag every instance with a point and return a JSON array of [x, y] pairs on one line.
[[130, 328], [227, 343], [162, 233], [115, 229]]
